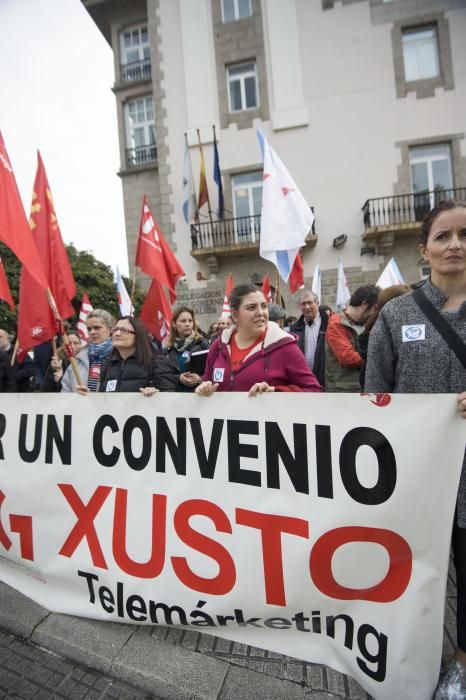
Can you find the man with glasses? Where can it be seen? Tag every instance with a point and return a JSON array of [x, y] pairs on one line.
[[310, 329]]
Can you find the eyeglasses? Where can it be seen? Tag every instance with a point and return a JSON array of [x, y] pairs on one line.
[[120, 329]]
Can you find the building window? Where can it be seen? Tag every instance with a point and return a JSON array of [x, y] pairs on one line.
[[420, 54], [135, 54], [247, 204], [430, 176], [242, 87], [140, 132], [233, 10]]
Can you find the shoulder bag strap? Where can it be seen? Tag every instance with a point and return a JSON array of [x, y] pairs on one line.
[[449, 335]]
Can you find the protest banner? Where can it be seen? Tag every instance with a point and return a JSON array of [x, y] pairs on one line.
[[310, 525]]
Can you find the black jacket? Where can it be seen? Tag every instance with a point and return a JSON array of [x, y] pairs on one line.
[[24, 372], [7, 374], [131, 375], [298, 329], [172, 356]]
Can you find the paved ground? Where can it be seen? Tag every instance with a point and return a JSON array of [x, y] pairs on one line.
[[43, 653]]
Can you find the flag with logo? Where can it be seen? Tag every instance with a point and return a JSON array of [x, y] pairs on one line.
[[38, 310], [317, 282], [153, 254], [343, 293], [5, 293], [390, 275], [86, 308], [226, 310], [266, 291], [156, 313], [286, 216], [14, 228], [188, 192], [124, 302]]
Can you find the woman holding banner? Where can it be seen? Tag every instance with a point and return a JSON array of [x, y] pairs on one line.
[[418, 346], [89, 361], [255, 355], [133, 364]]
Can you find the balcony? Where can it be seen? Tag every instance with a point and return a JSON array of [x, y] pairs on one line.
[[231, 236], [141, 155], [401, 215], [135, 71]]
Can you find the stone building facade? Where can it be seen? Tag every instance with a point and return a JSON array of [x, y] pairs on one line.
[[364, 101]]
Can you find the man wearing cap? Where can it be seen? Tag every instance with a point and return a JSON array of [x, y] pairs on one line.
[[310, 329]]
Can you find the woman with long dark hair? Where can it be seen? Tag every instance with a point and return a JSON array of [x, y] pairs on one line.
[[133, 364], [255, 355], [430, 365], [182, 341]]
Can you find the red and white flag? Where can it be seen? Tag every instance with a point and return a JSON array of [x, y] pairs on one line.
[[5, 292], [153, 254], [156, 312], [266, 291], [81, 328], [226, 310]]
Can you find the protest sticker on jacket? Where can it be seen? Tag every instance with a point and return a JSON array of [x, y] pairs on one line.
[[311, 525]]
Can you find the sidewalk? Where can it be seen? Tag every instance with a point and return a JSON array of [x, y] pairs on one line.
[[180, 664]]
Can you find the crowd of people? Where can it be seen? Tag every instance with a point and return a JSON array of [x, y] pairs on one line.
[[387, 340]]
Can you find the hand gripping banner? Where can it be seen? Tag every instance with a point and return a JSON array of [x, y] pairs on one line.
[[311, 525]]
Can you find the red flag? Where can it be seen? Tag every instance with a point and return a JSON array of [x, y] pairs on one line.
[[14, 229], [5, 293], [296, 280], [36, 320], [86, 308], [226, 310], [153, 254], [156, 312], [266, 291]]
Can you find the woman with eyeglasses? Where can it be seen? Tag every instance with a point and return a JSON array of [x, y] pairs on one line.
[[89, 361], [133, 364]]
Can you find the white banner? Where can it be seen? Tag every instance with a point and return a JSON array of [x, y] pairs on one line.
[[316, 526]]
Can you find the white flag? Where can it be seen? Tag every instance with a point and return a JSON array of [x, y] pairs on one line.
[[343, 295], [390, 275], [317, 282], [124, 301], [189, 192], [286, 216]]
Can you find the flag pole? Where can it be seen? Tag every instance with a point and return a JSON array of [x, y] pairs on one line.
[[14, 353], [133, 288], [66, 340], [277, 290]]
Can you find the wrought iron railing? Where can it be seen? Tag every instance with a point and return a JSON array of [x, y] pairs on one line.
[[406, 208], [141, 155], [136, 70], [228, 233]]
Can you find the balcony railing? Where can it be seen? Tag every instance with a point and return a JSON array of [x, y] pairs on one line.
[[136, 70], [405, 209], [226, 233], [229, 234], [141, 155]]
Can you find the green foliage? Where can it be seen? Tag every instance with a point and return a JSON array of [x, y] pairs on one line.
[[91, 276]]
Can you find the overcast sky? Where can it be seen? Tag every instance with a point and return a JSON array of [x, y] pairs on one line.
[[56, 71]]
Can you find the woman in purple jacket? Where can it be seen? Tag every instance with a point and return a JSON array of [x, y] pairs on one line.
[[255, 355]]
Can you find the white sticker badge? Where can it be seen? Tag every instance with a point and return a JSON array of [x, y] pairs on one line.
[[411, 333], [111, 385], [218, 374]]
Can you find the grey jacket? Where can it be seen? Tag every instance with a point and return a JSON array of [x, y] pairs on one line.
[[420, 366], [68, 382]]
